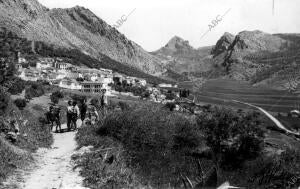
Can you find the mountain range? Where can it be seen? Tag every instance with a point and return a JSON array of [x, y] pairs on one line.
[[77, 28], [254, 56]]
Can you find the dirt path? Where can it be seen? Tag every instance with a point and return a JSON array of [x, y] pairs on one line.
[[54, 168]]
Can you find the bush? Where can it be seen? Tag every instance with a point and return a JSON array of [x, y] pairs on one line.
[[35, 90], [233, 137], [20, 103], [171, 106], [17, 86], [170, 96], [95, 102], [277, 171], [4, 102], [123, 105], [55, 96], [158, 143]]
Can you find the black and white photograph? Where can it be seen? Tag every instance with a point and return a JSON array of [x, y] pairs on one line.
[[140, 94]]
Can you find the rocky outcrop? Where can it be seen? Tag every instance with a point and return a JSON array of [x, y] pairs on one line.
[[177, 44], [248, 42], [75, 28], [254, 41], [181, 57], [222, 44]]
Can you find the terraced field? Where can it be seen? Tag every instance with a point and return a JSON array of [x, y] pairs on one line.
[[222, 92]]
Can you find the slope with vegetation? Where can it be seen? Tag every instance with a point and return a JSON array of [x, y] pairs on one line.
[[75, 28], [14, 44], [145, 145], [22, 130]]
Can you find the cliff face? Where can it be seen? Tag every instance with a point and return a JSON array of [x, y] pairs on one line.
[[222, 44], [75, 28], [258, 57], [249, 42]]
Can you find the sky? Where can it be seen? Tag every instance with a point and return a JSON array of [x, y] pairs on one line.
[[152, 23]]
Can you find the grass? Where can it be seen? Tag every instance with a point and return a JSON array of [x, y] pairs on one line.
[[94, 167], [152, 147], [33, 135]]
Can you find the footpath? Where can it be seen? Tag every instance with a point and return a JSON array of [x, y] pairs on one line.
[[53, 168]]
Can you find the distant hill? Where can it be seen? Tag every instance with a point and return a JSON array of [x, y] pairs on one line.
[[182, 58], [254, 56], [75, 28], [261, 58]]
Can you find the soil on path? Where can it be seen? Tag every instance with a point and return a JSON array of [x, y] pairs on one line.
[[53, 168]]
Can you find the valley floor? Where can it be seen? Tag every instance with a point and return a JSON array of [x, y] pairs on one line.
[[53, 168]]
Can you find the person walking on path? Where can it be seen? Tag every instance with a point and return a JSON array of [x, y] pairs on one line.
[[104, 103], [51, 117], [75, 114], [83, 110], [69, 115], [57, 118]]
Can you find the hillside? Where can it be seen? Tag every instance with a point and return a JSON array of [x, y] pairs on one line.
[[261, 58], [13, 43], [76, 28]]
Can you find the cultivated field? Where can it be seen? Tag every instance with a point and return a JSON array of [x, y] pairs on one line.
[[224, 91]]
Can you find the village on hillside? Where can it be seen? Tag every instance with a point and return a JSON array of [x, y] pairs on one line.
[[65, 75]]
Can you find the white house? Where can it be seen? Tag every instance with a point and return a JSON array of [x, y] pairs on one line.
[[70, 84], [165, 85], [43, 65], [141, 82], [29, 75]]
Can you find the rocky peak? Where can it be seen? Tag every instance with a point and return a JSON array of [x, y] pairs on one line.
[[258, 41], [248, 42], [223, 43], [178, 43]]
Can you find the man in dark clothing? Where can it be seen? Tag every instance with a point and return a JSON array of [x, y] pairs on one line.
[[54, 116], [83, 110], [51, 117], [57, 118]]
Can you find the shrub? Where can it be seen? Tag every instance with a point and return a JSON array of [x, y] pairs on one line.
[[95, 102], [20, 103], [277, 171], [54, 99], [170, 96], [123, 105], [17, 86], [35, 90], [171, 106], [55, 96], [4, 101], [158, 143], [233, 137]]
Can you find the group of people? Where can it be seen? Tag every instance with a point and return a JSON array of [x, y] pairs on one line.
[[87, 113]]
